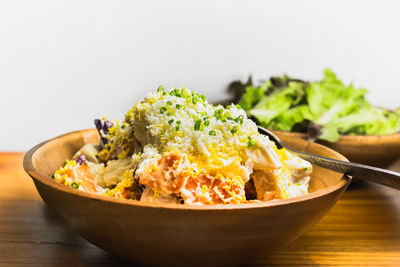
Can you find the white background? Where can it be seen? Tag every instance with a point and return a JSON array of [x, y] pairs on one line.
[[64, 63]]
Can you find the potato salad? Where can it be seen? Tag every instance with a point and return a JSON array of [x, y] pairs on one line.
[[175, 147]]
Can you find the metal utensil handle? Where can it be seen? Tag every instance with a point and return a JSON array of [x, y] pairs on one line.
[[356, 170], [359, 171]]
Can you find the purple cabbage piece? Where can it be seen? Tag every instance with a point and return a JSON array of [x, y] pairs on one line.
[[80, 160], [102, 127]]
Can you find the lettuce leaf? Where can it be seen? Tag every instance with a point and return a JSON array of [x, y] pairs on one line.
[[251, 97], [284, 103]]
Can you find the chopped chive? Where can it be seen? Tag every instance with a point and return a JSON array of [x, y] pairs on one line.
[[52, 176], [177, 128], [206, 123], [306, 168], [239, 119], [234, 129], [218, 114], [162, 110], [203, 97], [164, 93], [169, 114], [176, 92], [169, 103], [194, 100], [160, 88], [123, 126], [75, 185], [163, 131], [178, 122], [178, 106], [171, 121], [238, 106], [250, 143], [212, 133], [197, 125], [298, 184]]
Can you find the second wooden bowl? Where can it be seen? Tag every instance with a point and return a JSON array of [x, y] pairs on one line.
[[176, 234], [374, 150]]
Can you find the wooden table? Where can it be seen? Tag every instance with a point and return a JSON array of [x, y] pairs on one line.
[[362, 229]]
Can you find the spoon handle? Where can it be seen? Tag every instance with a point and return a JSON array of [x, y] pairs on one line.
[[356, 170]]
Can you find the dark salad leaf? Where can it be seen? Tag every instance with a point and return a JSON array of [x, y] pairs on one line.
[[80, 160], [103, 127], [237, 89]]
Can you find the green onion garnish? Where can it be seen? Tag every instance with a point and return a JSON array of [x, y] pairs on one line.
[[162, 110], [212, 133], [206, 123], [169, 103], [75, 185], [178, 106], [250, 143], [177, 128], [160, 88], [218, 115], [239, 119], [176, 92], [178, 122], [197, 125], [170, 121], [234, 129]]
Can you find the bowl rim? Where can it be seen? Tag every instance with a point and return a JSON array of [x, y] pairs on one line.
[[383, 137], [42, 178]]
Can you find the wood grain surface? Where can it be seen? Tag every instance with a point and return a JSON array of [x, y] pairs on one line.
[[363, 229]]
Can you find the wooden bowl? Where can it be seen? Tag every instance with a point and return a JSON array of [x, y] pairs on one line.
[[375, 150], [174, 234]]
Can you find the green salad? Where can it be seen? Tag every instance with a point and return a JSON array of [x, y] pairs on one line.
[[323, 109]]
